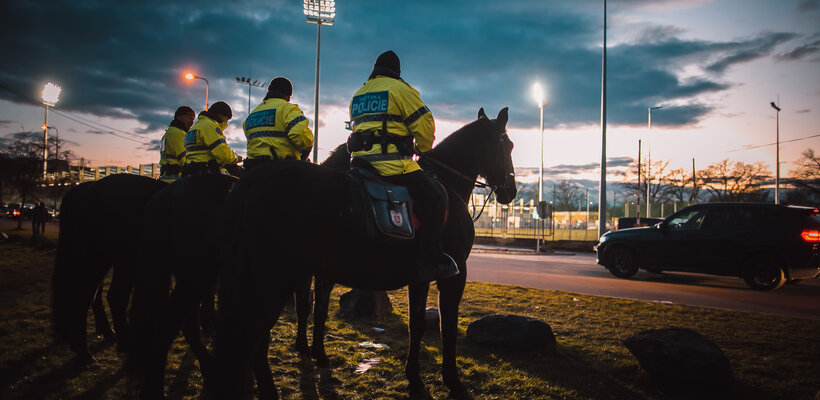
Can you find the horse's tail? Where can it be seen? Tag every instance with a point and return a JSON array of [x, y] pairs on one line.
[[152, 281], [64, 277]]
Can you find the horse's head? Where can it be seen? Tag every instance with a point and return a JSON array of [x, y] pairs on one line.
[[496, 165]]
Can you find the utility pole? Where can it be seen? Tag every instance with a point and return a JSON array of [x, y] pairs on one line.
[[638, 209]]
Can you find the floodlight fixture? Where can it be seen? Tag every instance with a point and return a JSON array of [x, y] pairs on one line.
[[321, 12], [51, 94], [538, 94]]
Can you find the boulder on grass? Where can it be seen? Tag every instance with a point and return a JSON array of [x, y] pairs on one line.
[[681, 359], [511, 332], [358, 303]]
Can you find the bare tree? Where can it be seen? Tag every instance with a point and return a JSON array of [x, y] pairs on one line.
[[735, 181], [21, 164], [567, 195], [806, 177]]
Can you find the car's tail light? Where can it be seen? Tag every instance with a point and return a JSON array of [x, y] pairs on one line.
[[810, 235]]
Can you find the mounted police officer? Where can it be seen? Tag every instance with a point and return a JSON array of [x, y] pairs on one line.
[[390, 123], [277, 129], [206, 150], [172, 144]]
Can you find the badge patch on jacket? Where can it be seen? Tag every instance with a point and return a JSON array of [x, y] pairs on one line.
[[369, 103], [190, 138], [261, 118]]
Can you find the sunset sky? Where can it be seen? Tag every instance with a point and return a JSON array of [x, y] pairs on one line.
[[714, 66]]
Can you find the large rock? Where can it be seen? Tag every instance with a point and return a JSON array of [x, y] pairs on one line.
[[681, 358], [358, 303], [512, 332]]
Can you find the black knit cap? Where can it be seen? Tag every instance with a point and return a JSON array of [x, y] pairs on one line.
[[388, 60], [221, 108], [184, 110], [280, 86]]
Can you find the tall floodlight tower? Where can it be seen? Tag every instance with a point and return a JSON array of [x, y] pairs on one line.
[[319, 12], [51, 95]]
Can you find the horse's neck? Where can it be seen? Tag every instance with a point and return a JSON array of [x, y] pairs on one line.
[[460, 174]]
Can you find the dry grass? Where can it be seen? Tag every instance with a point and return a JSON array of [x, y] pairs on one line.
[[773, 357]]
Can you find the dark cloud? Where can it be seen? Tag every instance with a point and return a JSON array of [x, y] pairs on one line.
[[6, 122], [125, 60], [802, 52], [745, 51], [803, 111]]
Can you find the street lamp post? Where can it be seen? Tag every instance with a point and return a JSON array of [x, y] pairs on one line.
[[247, 81], [189, 76], [51, 94], [538, 95], [777, 157], [649, 162], [602, 189], [319, 12]]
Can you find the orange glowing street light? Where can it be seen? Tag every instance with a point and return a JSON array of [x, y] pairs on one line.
[[189, 76]]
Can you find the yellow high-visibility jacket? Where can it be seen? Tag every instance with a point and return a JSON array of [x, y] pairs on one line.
[[400, 104], [277, 129], [172, 147], [205, 142]]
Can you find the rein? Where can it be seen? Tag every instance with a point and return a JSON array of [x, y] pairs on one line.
[[476, 183]]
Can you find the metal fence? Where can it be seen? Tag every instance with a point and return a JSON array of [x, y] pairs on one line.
[[80, 174], [518, 220]]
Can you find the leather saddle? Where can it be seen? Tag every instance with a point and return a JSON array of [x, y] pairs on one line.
[[387, 207]]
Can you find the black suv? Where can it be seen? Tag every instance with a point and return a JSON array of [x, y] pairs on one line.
[[765, 244]]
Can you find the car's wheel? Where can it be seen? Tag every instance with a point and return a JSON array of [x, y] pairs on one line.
[[765, 273], [622, 262]]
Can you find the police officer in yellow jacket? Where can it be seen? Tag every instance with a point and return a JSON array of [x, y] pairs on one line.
[[206, 150], [390, 123], [172, 144], [277, 129]]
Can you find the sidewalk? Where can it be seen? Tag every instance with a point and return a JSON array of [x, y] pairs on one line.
[[501, 249]]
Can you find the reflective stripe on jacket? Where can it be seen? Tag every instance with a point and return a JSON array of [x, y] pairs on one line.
[[205, 142], [172, 147], [277, 127], [392, 100]]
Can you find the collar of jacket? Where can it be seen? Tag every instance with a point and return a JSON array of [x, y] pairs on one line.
[[208, 115], [383, 71], [178, 124], [275, 94]]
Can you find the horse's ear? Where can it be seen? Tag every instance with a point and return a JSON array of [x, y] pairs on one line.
[[502, 117], [481, 113]]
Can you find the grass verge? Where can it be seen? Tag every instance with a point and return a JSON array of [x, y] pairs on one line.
[[772, 357]]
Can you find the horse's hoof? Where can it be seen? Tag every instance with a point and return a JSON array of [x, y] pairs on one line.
[[419, 392], [458, 390], [321, 360], [302, 348]]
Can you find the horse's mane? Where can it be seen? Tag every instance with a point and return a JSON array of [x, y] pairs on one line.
[[339, 158], [462, 139]]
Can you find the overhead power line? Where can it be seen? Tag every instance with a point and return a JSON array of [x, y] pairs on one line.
[[772, 144], [80, 120]]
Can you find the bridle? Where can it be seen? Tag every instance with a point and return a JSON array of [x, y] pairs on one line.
[[475, 182]]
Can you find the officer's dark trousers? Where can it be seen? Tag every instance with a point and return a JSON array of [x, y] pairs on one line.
[[430, 200], [168, 170]]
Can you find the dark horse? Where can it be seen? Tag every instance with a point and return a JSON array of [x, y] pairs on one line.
[[99, 228], [182, 241], [316, 228]]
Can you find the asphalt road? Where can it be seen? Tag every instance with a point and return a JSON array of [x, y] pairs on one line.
[[580, 274]]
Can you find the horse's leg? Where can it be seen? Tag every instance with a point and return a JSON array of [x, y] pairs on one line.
[[302, 300], [321, 304], [449, 298], [417, 302], [261, 365], [190, 329], [103, 328], [119, 294], [207, 314], [181, 306]]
